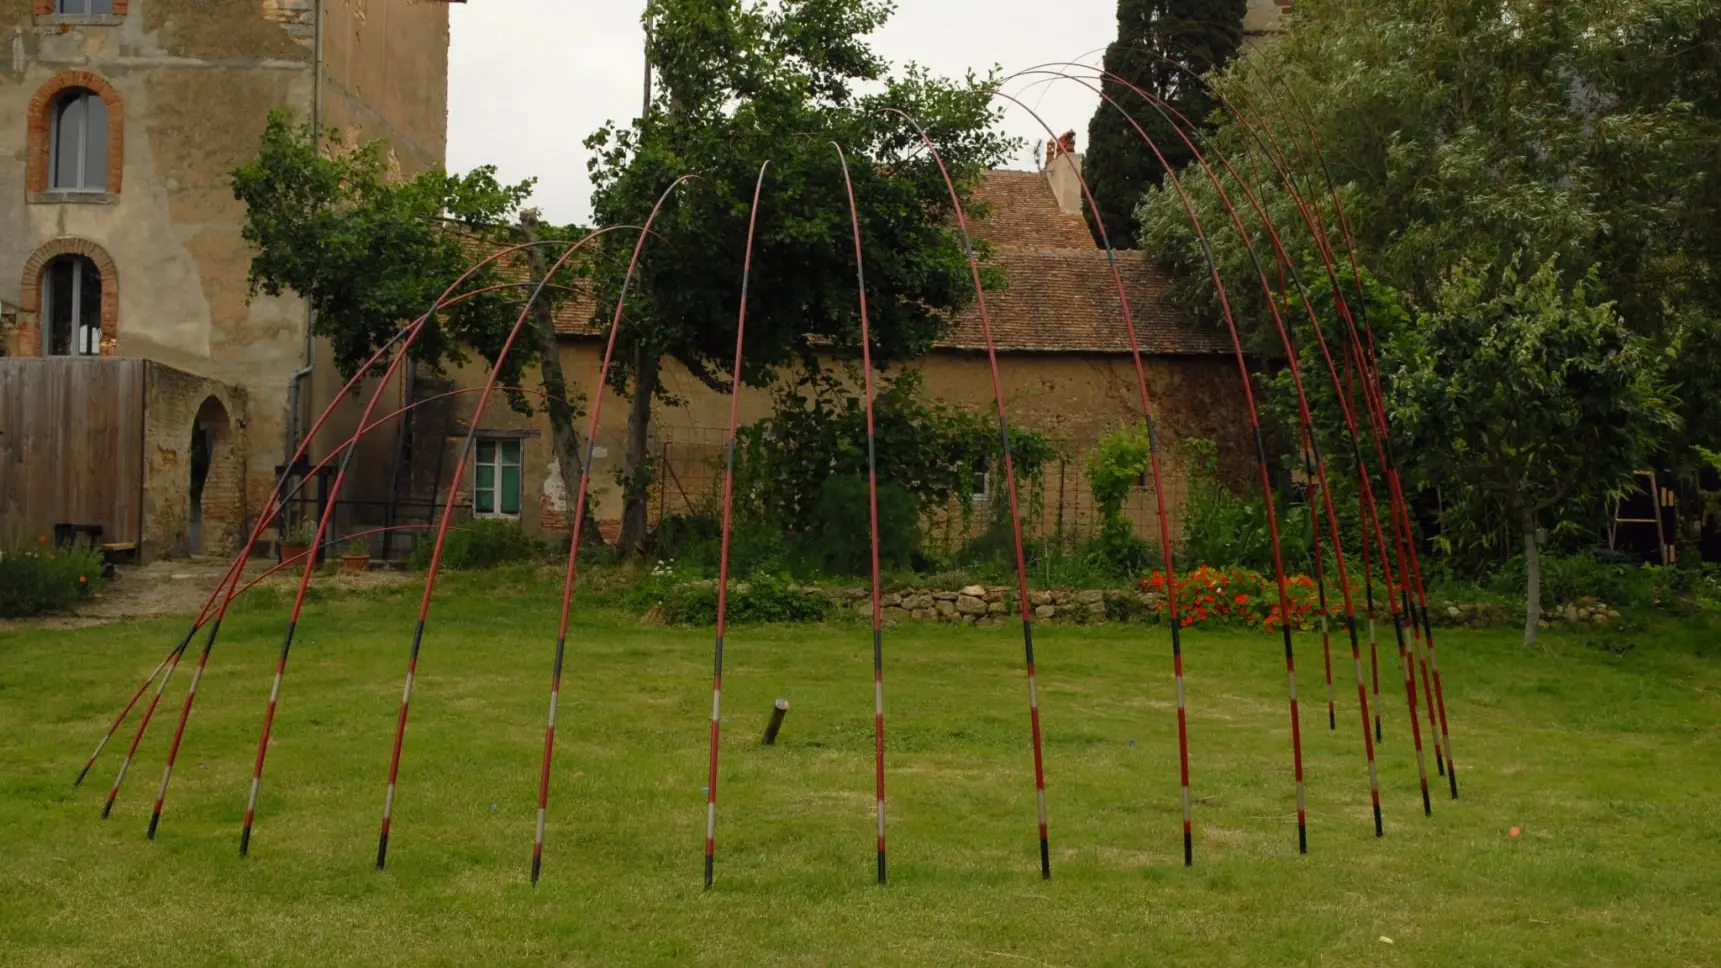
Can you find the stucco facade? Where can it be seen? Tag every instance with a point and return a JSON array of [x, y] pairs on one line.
[[187, 86]]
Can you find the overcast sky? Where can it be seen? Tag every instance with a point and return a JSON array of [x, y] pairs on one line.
[[530, 79]]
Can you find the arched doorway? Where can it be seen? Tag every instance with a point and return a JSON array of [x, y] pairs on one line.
[[214, 515]]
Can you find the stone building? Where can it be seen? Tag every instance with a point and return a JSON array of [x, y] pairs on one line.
[[1065, 364], [120, 121]]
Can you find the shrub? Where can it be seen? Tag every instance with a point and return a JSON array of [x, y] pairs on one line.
[[1117, 553], [838, 541], [761, 599], [481, 543], [1223, 530], [36, 579]]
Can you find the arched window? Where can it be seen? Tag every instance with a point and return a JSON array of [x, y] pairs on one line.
[[78, 161], [84, 6], [71, 307]]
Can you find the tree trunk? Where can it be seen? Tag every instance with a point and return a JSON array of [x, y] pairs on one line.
[[637, 488], [564, 437], [1532, 575]]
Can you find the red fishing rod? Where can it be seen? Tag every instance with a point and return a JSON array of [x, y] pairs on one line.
[[1404, 542], [410, 333], [1266, 491], [230, 579], [1394, 478], [1366, 490], [1010, 481], [330, 504], [872, 511], [442, 537], [728, 522], [1377, 422], [572, 570], [1155, 466], [1313, 455]]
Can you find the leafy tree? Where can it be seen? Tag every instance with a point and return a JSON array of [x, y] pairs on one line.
[[742, 83], [1159, 43], [1482, 133], [370, 252], [1527, 394]]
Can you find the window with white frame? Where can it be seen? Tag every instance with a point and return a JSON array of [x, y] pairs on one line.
[[84, 7], [71, 307], [78, 160], [496, 486], [982, 486]]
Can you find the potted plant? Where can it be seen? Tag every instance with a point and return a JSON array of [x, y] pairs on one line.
[[296, 540], [355, 556]]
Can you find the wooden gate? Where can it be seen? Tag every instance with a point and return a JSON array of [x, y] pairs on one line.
[[71, 446]]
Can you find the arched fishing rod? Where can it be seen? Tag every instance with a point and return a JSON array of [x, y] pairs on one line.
[[1267, 497], [236, 569], [410, 333], [1155, 465], [1403, 543], [1339, 298], [728, 524], [572, 570], [1374, 383], [1366, 492], [330, 504], [448, 512], [1318, 461], [1010, 483], [872, 513]]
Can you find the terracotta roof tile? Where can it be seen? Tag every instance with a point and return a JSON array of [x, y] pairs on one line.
[[1025, 215], [1059, 294], [1066, 301]]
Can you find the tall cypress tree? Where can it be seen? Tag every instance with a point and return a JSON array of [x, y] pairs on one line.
[[1197, 35]]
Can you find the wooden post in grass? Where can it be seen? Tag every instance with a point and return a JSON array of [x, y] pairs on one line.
[[778, 711]]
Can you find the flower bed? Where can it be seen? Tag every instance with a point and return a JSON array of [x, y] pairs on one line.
[[37, 579]]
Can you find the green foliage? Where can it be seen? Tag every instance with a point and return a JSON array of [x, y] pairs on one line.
[[370, 251], [1527, 393], [839, 541], [760, 599], [1115, 466], [1224, 530], [480, 544], [928, 449], [1577, 135], [37, 579], [741, 82], [1160, 43]]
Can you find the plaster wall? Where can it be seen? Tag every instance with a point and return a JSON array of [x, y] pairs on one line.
[[196, 79], [1074, 399]]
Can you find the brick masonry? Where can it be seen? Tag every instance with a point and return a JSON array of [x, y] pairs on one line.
[[41, 125], [175, 403], [30, 293], [45, 8]]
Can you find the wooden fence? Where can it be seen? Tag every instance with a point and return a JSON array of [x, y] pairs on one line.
[[71, 446]]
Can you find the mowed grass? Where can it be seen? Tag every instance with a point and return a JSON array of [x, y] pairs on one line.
[[1610, 765]]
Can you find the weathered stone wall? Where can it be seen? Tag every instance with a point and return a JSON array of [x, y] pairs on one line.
[[189, 84], [194, 81], [174, 403], [1075, 399]]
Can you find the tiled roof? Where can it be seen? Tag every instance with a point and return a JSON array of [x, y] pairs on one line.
[[1024, 214], [1066, 301], [1059, 294]]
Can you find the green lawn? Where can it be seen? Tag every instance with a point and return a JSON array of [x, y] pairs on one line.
[[1610, 765]]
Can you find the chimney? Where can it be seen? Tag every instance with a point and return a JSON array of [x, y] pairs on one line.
[[1063, 173]]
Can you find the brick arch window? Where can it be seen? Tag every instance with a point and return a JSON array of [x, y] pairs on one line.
[[69, 300], [77, 135], [76, 8]]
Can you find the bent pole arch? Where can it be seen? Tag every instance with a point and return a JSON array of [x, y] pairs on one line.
[[1010, 483]]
